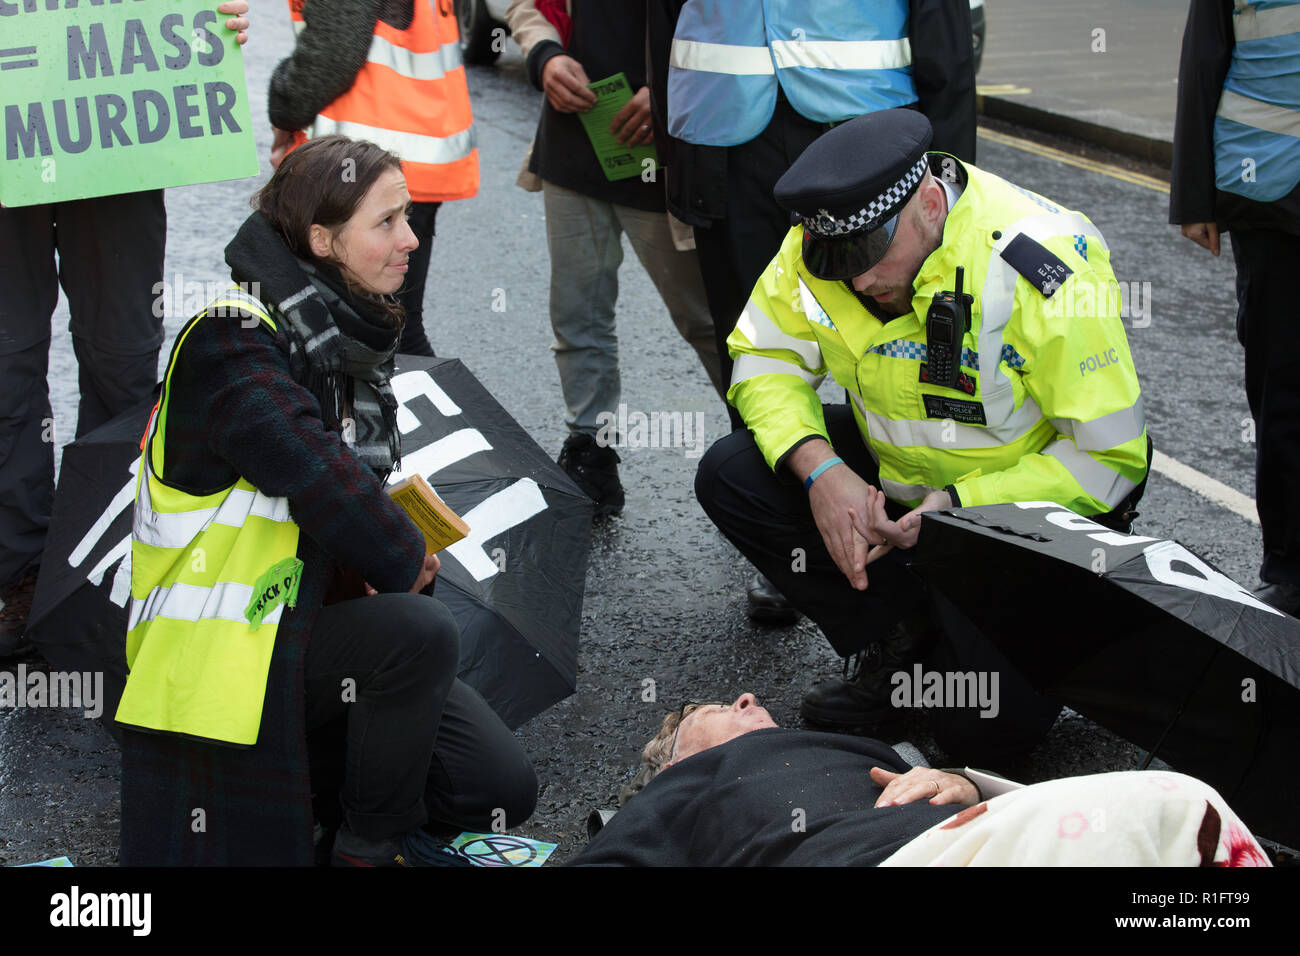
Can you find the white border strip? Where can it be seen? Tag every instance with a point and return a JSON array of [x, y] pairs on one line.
[[1205, 486]]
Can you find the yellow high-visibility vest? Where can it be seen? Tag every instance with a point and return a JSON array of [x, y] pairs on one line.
[[211, 576], [1051, 409]]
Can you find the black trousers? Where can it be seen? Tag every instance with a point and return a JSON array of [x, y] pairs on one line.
[[1268, 325], [769, 520], [421, 745], [734, 251], [415, 341], [107, 254]]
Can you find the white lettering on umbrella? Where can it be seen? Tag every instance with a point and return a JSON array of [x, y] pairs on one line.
[[121, 501], [1075, 522], [501, 512], [512, 506], [1161, 557], [409, 385], [121, 589], [122, 578], [439, 454]]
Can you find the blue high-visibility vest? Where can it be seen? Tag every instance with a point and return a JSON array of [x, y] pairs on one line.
[[1257, 128], [834, 59]]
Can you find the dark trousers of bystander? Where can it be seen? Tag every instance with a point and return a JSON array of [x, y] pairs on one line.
[[734, 251], [769, 519], [415, 341], [1268, 325], [107, 254], [421, 745]]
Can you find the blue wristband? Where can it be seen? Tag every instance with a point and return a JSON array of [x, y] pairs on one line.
[[816, 472]]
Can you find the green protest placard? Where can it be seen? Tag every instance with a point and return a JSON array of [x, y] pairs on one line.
[[111, 96]]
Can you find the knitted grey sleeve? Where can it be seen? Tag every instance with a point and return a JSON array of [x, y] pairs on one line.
[[329, 52]]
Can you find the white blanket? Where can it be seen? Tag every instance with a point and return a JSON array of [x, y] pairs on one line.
[[1135, 818]]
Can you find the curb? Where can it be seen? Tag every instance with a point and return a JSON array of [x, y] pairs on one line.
[[1141, 147]]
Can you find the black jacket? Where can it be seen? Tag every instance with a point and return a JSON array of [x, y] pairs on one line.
[[769, 798], [608, 37]]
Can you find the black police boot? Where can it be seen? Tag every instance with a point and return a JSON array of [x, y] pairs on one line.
[[767, 605], [1284, 597], [594, 469], [861, 700]]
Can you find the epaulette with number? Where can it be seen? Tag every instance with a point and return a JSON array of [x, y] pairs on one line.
[[1038, 264]]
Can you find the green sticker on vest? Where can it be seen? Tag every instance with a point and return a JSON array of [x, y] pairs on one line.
[[277, 586]]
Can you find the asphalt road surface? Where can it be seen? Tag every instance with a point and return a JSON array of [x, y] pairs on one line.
[[665, 592]]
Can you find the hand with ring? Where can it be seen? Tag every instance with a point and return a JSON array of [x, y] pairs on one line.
[[938, 786], [632, 123]]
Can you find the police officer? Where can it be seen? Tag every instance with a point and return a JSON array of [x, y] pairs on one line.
[[740, 89], [975, 326]]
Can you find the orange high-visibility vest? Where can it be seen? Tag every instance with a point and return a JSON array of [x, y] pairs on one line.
[[410, 97]]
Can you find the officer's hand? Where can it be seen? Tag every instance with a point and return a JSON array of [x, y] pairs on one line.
[[838, 499], [565, 83], [921, 783], [237, 21], [904, 532], [428, 571], [1205, 234], [632, 124]]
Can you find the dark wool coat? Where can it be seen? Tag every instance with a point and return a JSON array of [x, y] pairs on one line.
[[236, 410], [771, 797]]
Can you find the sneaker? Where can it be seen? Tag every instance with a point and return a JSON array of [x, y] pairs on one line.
[[15, 605], [767, 605], [861, 700], [413, 848], [595, 470]]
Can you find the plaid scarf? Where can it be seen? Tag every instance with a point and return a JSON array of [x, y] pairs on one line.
[[341, 346]]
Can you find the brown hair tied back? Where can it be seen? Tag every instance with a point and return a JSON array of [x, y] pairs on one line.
[[323, 182]]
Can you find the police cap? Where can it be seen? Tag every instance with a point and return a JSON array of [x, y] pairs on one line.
[[849, 186]]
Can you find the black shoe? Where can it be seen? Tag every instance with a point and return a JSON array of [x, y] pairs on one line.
[[1284, 597], [767, 605], [594, 469], [413, 848], [861, 701], [15, 605]]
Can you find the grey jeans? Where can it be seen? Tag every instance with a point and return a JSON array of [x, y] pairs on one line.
[[584, 237]]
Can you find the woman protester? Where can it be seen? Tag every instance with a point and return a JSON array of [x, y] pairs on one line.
[[276, 588], [387, 71]]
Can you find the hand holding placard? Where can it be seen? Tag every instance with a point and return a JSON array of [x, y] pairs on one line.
[[120, 98]]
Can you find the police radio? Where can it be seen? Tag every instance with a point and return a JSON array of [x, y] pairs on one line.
[[945, 326]]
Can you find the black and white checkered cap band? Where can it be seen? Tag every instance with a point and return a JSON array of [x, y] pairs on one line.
[[877, 211]]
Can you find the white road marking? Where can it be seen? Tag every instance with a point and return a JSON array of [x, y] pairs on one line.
[[1205, 486]]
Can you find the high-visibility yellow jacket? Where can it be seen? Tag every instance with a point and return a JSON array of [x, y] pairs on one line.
[[1051, 411], [211, 576]]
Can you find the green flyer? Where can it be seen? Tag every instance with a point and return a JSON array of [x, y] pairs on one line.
[[104, 96], [618, 161]]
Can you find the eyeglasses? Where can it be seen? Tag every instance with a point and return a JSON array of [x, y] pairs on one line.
[[685, 711]]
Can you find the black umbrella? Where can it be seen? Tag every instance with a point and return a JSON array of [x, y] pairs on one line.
[[514, 584], [1140, 635]]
